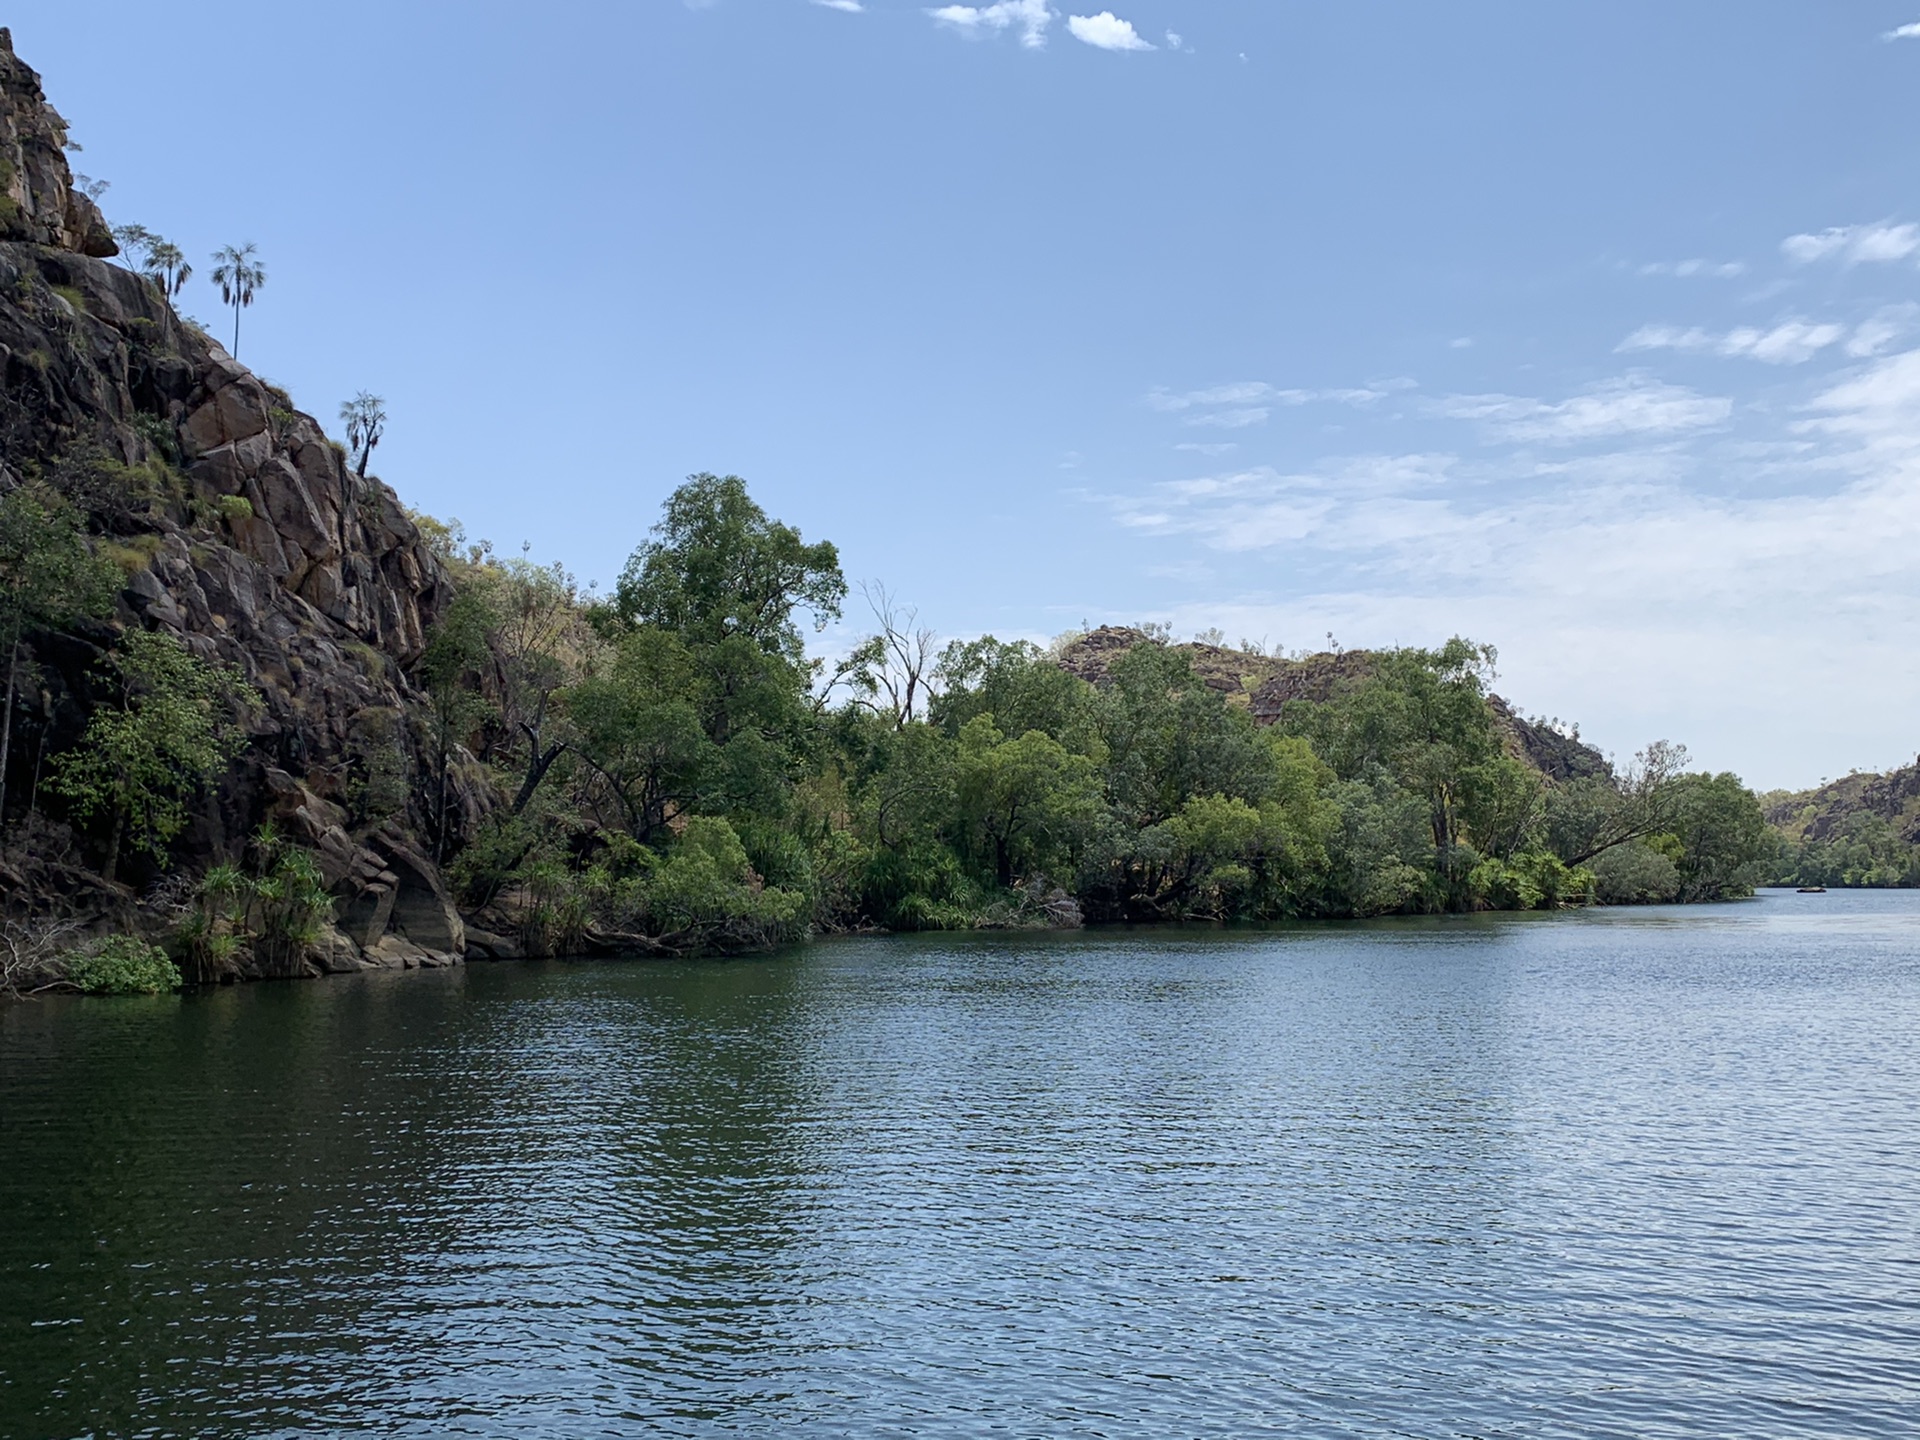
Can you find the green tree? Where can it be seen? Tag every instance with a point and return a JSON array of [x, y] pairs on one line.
[[48, 577], [639, 733], [1024, 802], [718, 570], [1018, 684], [1724, 847], [175, 727], [1167, 737], [457, 653], [1419, 719], [1590, 815], [239, 273]]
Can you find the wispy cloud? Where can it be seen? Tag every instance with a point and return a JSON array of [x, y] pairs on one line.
[[1175, 41], [850, 7], [1237, 418], [1791, 342], [1880, 330], [1903, 32], [1879, 405], [1106, 31], [1248, 395], [1030, 17], [1626, 586], [1854, 244], [1629, 405], [1688, 269]]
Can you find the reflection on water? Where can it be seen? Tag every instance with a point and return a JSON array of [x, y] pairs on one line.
[[1627, 1173]]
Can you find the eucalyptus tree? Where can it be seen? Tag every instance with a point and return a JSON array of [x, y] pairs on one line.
[[239, 273], [365, 417], [134, 241]]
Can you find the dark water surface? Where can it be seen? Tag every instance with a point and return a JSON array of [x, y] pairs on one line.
[[1628, 1173]]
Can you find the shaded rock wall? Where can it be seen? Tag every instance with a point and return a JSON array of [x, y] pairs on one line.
[[242, 531]]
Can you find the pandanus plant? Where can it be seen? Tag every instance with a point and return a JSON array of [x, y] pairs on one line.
[[239, 273]]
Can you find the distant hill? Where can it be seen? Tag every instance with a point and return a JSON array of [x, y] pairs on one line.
[[1823, 813], [1266, 684], [1862, 829]]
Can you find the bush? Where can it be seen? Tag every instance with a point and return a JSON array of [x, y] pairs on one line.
[[1635, 874], [124, 965], [1531, 880]]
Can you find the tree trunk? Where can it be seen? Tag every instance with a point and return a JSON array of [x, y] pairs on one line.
[[538, 764], [440, 802], [113, 844], [6, 724]]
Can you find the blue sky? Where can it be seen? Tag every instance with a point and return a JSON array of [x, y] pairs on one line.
[[1591, 330]]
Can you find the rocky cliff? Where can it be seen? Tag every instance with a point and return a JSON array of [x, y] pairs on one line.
[[1823, 814], [241, 530]]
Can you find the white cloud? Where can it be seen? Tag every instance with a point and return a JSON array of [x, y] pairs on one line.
[[1880, 330], [1029, 17], [1626, 588], [1258, 392], [1903, 32], [850, 7], [1854, 244], [1174, 40], [1106, 31], [1631, 405], [1687, 269], [1236, 419], [1789, 343], [1878, 406]]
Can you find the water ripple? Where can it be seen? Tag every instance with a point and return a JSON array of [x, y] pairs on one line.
[[1640, 1174]]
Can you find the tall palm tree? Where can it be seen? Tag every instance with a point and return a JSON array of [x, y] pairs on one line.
[[166, 264], [238, 273], [365, 417]]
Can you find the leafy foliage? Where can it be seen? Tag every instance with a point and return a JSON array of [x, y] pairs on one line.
[[48, 577], [686, 778], [173, 728], [123, 965]]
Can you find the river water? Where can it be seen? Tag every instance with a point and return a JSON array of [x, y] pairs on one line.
[[1626, 1173]]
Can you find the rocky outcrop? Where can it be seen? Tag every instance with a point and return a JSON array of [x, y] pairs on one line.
[[1267, 684], [38, 203], [1823, 814], [241, 530]]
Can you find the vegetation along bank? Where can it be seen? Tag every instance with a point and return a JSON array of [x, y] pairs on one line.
[[260, 720]]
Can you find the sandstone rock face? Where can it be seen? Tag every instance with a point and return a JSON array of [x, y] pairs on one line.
[[241, 530], [37, 200]]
